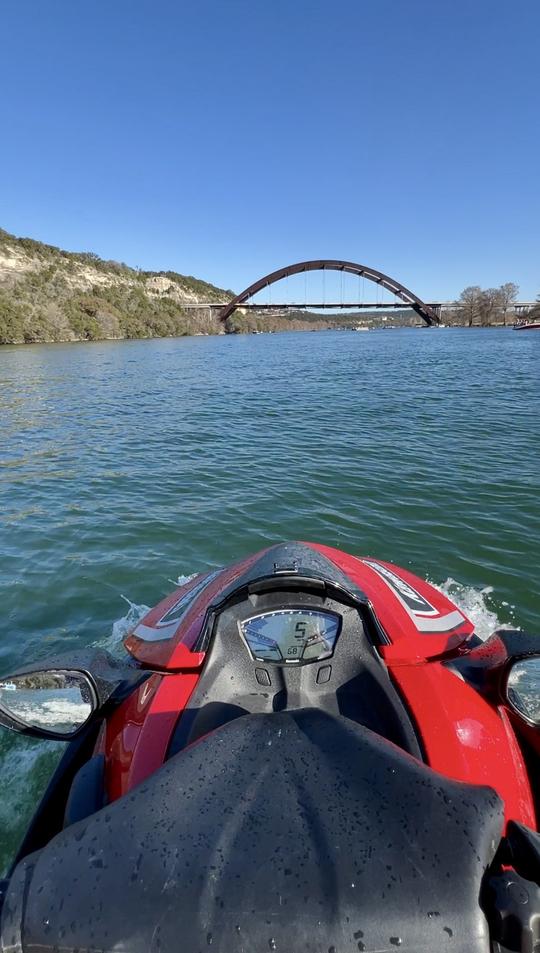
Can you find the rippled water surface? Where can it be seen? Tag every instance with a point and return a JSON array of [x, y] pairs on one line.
[[124, 464]]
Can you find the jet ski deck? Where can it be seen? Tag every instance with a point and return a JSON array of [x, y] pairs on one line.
[[304, 751]]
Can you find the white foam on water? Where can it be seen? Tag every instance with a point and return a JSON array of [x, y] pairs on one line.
[[17, 765], [475, 604], [181, 580], [25, 770], [58, 711], [122, 626]]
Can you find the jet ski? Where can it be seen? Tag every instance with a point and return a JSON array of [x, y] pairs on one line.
[[305, 752]]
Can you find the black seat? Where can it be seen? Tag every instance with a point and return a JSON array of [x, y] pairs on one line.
[[296, 831]]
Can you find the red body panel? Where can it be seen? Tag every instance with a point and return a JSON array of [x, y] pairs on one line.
[[463, 735], [139, 731]]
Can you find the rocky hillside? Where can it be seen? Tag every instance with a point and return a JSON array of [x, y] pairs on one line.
[[47, 294]]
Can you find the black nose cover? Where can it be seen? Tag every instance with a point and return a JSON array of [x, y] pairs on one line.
[[299, 832]]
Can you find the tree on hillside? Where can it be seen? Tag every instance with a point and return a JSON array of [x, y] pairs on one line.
[[486, 305], [491, 306], [508, 297], [534, 313], [469, 304]]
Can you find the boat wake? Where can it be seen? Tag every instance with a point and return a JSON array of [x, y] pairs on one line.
[[113, 642], [477, 606], [120, 628]]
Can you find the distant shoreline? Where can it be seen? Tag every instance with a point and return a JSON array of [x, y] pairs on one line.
[[177, 337], [52, 296]]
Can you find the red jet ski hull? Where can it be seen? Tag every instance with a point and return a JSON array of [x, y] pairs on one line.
[[461, 736]]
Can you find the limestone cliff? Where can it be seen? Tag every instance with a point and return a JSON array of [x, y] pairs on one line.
[[47, 294]]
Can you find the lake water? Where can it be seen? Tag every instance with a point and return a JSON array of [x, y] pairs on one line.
[[126, 464]]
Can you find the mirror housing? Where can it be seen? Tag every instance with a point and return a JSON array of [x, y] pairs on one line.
[[495, 667], [74, 688]]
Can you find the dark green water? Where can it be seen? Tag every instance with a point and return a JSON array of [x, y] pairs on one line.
[[126, 464]]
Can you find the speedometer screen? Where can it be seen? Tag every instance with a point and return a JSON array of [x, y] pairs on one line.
[[291, 635]]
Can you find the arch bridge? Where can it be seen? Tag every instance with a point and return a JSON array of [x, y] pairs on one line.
[[428, 312]]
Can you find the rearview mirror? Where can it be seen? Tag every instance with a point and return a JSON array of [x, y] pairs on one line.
[[523, 688], [59, 697], [55, 703]]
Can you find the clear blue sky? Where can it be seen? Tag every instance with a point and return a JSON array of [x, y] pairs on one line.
[[225, 138]]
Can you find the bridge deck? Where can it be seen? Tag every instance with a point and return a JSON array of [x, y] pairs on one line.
[[359, 305], [302, 306]]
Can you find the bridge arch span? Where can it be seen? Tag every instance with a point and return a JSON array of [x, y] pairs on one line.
[[426, 312]]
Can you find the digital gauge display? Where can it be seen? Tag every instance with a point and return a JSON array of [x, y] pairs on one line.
[[291, 635]]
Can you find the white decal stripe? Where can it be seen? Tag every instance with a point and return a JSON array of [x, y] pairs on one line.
[[443, 624], [148, 634], [402, 589], [427, 621]]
